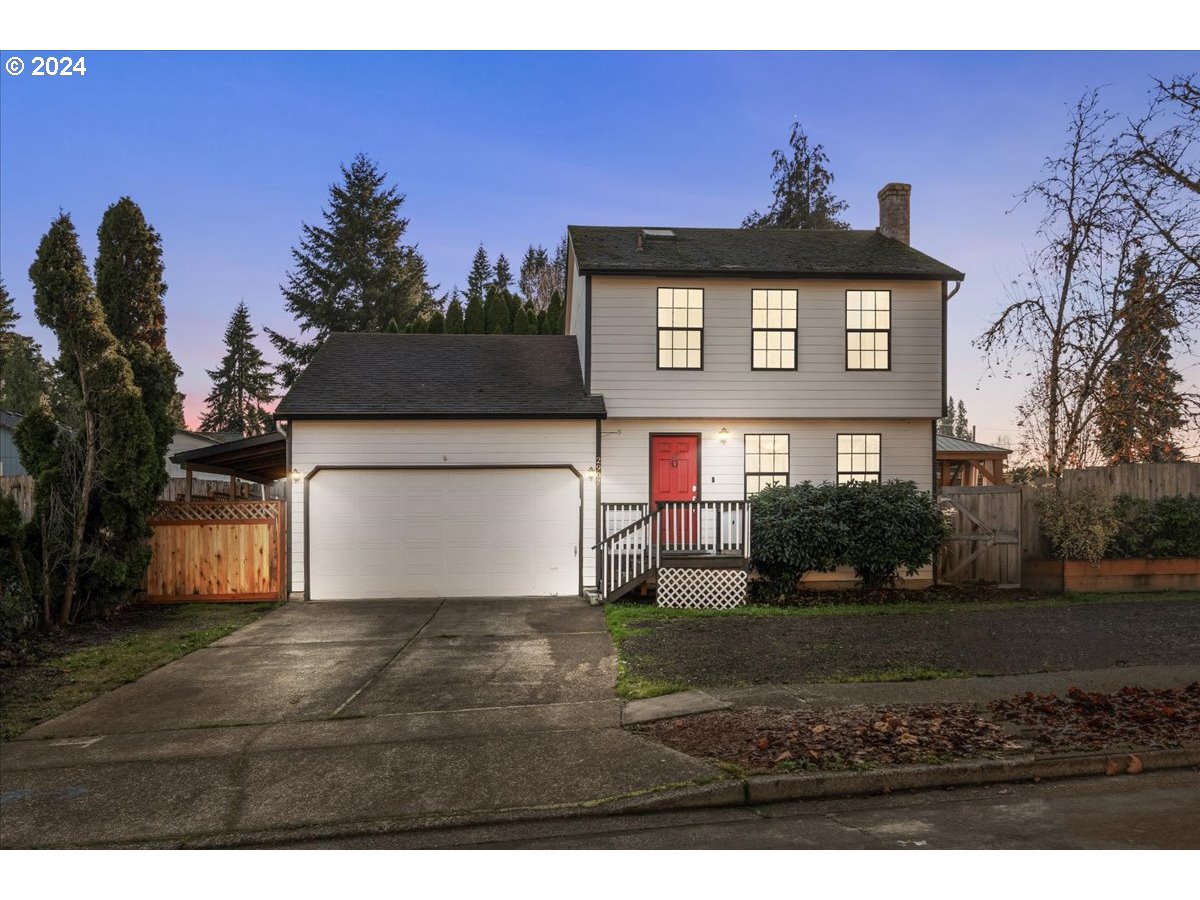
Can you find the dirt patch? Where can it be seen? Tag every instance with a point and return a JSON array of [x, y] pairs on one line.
[[733, 650], [761, 740]]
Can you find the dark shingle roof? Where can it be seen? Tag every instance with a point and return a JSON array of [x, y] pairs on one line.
[[947, 444], [753, 251], [446, 376]]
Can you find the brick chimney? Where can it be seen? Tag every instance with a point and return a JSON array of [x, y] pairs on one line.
[[893, 211]]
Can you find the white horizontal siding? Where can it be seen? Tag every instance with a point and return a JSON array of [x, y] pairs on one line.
[[624, 354], [906, 452], [428, 443]]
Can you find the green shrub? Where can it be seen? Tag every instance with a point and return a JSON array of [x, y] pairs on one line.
[[1165, 528], [1080, 525], [877, 529], [796, 530], [892, 526]]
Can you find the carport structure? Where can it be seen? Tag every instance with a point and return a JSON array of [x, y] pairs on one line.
[[261, 459]]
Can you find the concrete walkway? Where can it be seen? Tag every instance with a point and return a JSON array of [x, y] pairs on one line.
[[328, 713]]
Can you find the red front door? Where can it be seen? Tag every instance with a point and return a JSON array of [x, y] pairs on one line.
[[675, 478]]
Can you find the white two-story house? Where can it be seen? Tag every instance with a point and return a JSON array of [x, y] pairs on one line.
[[700, 365]]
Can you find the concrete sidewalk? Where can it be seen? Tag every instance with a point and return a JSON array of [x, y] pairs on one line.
[[906, 693]]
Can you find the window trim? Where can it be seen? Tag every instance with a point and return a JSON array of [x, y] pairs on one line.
[[848, 331], [659, 329], [837, 470], [746, 473], [795, 366]]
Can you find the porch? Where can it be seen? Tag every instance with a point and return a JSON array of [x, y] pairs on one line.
[[694, 553]]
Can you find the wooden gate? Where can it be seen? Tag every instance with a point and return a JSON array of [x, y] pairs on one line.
[[229, 551], [985, 542]]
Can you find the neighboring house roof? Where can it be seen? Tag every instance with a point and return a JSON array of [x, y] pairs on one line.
[[442, 376], [800, 253], [947, 444], [9, 419], [212, 437]]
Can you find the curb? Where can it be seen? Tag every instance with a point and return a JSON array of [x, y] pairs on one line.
[[1029, 767]]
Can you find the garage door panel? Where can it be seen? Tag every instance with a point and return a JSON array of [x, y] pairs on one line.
[[443, 532]]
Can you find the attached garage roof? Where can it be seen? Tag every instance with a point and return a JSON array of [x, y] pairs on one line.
[[442, 376], [783, 252]]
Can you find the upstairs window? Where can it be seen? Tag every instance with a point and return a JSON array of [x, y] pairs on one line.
[[868, 330], [680, 328], [767, 461], [857, 457], [773, 329]]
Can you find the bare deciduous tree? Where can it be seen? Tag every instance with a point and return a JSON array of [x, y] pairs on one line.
[[1103, 205]]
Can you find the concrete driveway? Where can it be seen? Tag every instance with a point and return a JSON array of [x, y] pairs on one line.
[[323, 714]]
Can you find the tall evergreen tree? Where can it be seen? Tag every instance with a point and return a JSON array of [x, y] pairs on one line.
[[495, 312], [243, 384], [437, 322], [503, 275], [946, 422], [542, 326], [25, 376], [962, 428], [454, 317], [1141, 406], [521, 322], [554, 315], [8, 313], [354, 273], [480, 275], [94, 483], [558, 267], [474, 322], [801, 187], [130, 287]]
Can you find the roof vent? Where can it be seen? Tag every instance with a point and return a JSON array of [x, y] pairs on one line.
[[654, 234]]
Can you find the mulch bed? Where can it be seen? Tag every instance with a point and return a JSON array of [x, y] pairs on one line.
[[982, 641], [760, 739]]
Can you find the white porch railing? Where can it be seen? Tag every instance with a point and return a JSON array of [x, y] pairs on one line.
[[698, 528]]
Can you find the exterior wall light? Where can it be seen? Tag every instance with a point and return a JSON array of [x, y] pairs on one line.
[[592, 473], [723, 436], [295, 475]]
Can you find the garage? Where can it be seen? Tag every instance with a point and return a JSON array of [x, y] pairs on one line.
[[379, 532]]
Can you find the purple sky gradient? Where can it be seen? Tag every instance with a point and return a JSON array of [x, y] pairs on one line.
[[228, 153]]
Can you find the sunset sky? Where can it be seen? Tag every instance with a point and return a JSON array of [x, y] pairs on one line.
[[229, 153]]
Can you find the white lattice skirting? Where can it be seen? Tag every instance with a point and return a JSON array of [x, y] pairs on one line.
[[701, 588]]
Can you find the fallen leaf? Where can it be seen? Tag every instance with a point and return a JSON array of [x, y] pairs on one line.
[[909, 739], [819, 729], [764, 743], [1112, 767], [1135, 766], [786, 754]]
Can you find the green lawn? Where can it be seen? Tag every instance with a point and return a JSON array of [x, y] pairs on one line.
[[74, 668], [626, 619]]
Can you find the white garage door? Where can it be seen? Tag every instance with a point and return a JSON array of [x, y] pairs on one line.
[[443, 533]]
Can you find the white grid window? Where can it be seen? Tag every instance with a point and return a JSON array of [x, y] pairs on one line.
[[767, 461], [773, 329], [680, 328], [868, 329], [857, 457]]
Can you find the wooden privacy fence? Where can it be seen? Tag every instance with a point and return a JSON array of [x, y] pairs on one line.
[[217, 551], [20, 488], [997, 535]]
